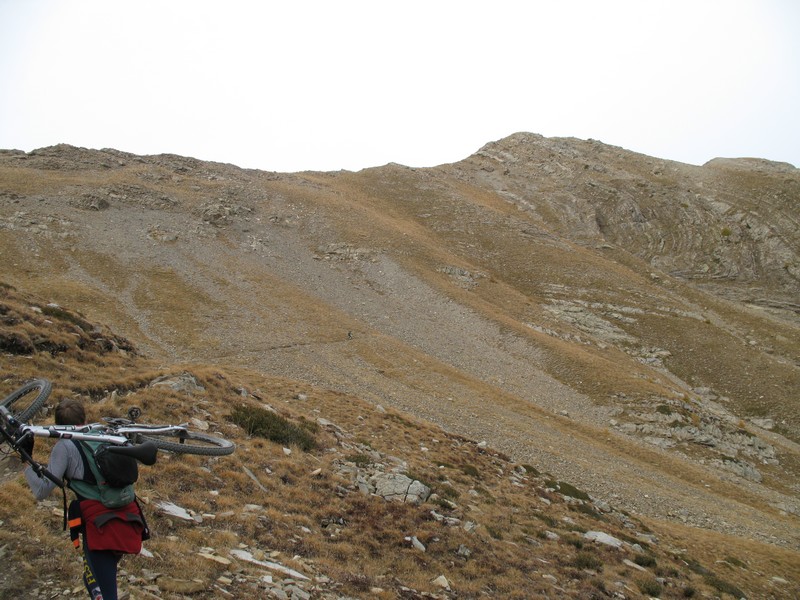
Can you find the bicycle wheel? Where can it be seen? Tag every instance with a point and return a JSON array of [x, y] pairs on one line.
[[190, 442], [25, 414]]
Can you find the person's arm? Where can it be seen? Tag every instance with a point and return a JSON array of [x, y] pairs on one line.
[[59, 461]]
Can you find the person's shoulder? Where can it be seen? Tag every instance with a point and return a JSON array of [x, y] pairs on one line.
[[65, 446]]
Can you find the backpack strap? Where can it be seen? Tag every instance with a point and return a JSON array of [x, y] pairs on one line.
[[146, 530], [90, 473], [89, 479]]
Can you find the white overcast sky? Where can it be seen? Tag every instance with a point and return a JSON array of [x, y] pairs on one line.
[[346, 84]]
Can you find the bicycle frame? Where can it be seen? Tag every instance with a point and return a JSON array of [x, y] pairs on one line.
[[96, 432], [117, 435]]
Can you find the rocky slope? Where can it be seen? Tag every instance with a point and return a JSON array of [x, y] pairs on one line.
[[625, 323]]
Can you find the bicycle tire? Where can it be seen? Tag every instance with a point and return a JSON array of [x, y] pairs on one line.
[[31, 409], [190, 442]]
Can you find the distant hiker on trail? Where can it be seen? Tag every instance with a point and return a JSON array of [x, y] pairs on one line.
[[107, 532]]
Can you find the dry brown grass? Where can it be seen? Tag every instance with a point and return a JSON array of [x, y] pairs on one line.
[[357, 541]]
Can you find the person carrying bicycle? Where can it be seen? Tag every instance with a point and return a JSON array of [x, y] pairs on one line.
[[122, 530]]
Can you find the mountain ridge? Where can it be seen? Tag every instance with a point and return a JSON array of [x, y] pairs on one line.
[[560, 298]]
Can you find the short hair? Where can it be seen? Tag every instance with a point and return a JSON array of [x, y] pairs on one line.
[[70, 412]]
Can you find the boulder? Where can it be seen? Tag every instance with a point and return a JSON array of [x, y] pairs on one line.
[[603, 538], [396, 486]]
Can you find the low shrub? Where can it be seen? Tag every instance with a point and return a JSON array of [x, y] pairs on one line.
[[587, 560], [568, 489], [471, 471], [645, 560], [723, 586], [259, 422], [574, 541], [64, 315], [733, 561], [547, 519], [446, 491], [494, 532], [360, 460], [649, 586]]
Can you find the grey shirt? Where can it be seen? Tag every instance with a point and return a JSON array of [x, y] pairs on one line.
[[65, 461]]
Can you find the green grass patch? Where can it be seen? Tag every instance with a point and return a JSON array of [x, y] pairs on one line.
[[696, 567], [568, 489], [723, 586], [59, 313], [263, 423], [588, 509], [360, 460], [649, 586], [587, 560], [574, 541], [644, 560], [546, 519], [735, 562]]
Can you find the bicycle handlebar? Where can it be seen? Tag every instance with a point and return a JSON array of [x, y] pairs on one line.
[[38, 468]]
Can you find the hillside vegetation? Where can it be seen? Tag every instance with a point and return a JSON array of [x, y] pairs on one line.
[[548, 329], [296, 494]]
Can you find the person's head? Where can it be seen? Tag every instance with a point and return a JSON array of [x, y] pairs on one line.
[[70, 412]]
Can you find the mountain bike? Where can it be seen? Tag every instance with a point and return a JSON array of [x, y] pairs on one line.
[[125, 436]]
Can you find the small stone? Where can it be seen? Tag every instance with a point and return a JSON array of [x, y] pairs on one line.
[[174, 510], [633, 565], [200, 424], [218, 559], [416, 543]]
